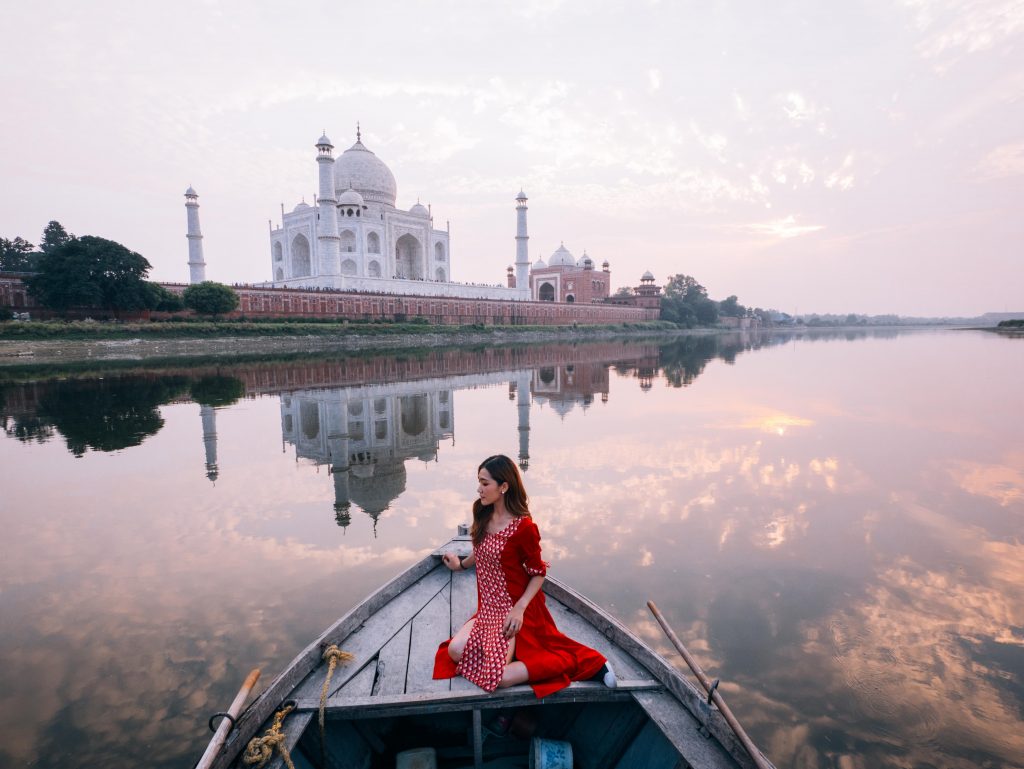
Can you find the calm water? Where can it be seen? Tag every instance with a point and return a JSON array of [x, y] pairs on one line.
[[834, 525]]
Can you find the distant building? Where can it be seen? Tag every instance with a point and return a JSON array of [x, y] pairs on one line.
[[647, 295], [356, 239], [355, 255], [564, 279]]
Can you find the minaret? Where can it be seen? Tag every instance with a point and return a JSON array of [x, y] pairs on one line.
[[209, 417], [196, 265], [523, 406], [522, 249], [328, 240]]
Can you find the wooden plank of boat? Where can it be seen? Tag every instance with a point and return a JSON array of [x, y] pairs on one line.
[[406, 585], [431, 625], [342, 707], [397, 629], [392, 663]]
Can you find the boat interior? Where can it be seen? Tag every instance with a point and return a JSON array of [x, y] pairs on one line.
[[383, 701]]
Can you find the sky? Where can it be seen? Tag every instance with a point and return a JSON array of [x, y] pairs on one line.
[[864, 156]]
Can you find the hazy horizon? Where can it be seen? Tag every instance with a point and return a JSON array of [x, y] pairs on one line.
[[864, 157]]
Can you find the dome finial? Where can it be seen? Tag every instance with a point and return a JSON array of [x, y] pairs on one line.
[[359, 135]]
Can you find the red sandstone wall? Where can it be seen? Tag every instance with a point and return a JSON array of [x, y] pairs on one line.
[[291, 302], [284, 302]]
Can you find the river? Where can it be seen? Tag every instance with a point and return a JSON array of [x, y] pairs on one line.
[[833, 523]]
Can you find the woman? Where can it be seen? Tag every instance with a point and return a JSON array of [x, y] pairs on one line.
[[512, 638]]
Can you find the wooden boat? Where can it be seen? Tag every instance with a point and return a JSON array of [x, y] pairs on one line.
[[384, 700]]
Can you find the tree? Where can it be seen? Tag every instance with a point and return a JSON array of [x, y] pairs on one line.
[[17, 255], [686, 303], [54, 236], [210, 298], [731, 308], [91, 272], [159, 298], [623, 293]]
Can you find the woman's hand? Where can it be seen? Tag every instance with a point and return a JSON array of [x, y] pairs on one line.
[[513, 622], [451, 560]]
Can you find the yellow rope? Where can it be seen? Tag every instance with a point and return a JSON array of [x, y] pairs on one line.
[[332, 656], [260, 749]]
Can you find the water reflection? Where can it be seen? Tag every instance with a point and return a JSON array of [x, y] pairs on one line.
[[92, 414], [364, 437], [834, 528]]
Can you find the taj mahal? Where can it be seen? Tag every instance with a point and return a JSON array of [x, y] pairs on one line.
[[355, 239]]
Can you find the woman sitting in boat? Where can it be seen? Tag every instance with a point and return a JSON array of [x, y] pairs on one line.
[[512, 638]]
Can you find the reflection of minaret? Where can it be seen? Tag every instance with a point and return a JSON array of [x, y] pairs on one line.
[[337, 444], [209, 417], [523, 390]]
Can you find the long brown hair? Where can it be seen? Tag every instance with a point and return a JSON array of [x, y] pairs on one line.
[[502, 470]]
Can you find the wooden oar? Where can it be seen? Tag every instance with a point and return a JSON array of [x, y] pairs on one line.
[[712, 690], [227, 724]]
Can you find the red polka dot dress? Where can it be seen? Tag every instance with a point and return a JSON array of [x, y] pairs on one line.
[[505, 562]]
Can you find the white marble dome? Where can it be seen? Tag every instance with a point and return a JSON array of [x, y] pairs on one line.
[[562, 258], [350, 198], [647, 276], [540, 264], [302, 206], [419, 210], [367, 174]]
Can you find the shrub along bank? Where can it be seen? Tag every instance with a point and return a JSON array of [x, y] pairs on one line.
[[206, 329]]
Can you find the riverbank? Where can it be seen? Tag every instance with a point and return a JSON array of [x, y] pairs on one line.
[[81, 352], [304, 327]]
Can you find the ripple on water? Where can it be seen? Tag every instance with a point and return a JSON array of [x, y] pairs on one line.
[[876, 680]]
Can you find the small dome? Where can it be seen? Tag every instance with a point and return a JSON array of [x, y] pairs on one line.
[[300, 207], [350, 198], [323, 141], [419, 210], [191, 193], [605, 264], [521, 195], [647, 276], [585, 262], [510, 270], [562, 258], [540, 264]]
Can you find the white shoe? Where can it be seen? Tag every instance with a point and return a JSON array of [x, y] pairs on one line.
[[609, 678]]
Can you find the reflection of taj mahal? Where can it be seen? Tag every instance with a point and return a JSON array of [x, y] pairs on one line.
[[364, 435]]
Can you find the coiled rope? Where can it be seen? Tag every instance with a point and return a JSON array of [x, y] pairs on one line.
[[260, 749], [332, 656]]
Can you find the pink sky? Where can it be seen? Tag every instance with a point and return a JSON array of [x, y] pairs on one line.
[[863, 156]]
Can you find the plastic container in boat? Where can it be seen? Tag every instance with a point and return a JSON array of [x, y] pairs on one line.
[[550, 754], [417, 758]]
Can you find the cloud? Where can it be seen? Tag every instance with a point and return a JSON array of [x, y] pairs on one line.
[[784, 228], [843, 177], [1001, 163], [801, 111], [953, 29], [742, 111], [654, 80]]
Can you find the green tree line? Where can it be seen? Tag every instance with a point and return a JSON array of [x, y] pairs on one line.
[[69, 272]]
